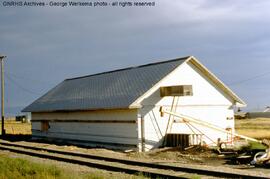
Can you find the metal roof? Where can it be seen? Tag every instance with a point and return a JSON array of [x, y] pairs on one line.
[[109, 90]]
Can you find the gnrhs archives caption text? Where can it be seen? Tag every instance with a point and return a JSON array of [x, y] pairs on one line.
[[78, 3]]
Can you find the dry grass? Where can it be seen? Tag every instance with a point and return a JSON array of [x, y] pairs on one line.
[[13, 127], [258, 128], [257, 134], [12, 167]]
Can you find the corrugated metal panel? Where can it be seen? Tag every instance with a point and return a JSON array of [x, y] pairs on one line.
[[109, 90]]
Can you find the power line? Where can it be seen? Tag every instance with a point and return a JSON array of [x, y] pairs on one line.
[[21, 87], [33, 80], [249, 79]]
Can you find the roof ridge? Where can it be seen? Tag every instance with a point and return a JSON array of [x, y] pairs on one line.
[[128, 68]]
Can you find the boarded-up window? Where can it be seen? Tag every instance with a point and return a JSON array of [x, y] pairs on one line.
[[182, 90], [44, 126]]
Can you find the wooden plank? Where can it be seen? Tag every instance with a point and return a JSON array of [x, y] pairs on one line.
[[142, 134]]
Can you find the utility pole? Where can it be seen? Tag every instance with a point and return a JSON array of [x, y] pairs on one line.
[[2, 93]]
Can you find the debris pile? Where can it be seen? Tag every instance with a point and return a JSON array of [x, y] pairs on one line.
[[262, 158]]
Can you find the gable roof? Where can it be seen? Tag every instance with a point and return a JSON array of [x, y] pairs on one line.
[[118, 89], [109, 90]]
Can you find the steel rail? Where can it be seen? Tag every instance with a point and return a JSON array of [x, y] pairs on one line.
[[3, 146], [90, 164]]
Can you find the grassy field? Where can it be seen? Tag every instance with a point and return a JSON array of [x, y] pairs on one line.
[[13, 168], [258, 128], [13, 127], [19, 168]]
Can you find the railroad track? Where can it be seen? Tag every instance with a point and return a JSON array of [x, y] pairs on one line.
[[152, 170]]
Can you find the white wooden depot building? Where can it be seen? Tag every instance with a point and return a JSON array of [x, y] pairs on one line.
[[121, 108]]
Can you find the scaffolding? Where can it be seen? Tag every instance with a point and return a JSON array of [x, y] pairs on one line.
[[189, 121]]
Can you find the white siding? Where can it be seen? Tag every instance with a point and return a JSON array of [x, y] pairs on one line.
[[110, 132], [204, 91], [208, 103], [154, 126], [36, 126]]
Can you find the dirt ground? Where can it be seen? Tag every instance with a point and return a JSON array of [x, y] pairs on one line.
[[197, 157]]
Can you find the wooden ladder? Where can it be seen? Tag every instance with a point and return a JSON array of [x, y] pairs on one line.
[[171, 118]]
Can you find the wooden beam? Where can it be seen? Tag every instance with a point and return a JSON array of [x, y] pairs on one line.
[[206, 124]]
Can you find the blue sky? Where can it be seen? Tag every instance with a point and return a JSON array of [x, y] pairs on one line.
[[47, 45]]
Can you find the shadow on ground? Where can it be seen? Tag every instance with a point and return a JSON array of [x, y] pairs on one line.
[[16, 137]]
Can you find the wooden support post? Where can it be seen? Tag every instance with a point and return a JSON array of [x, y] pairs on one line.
[[2, 95], [142, 134]]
